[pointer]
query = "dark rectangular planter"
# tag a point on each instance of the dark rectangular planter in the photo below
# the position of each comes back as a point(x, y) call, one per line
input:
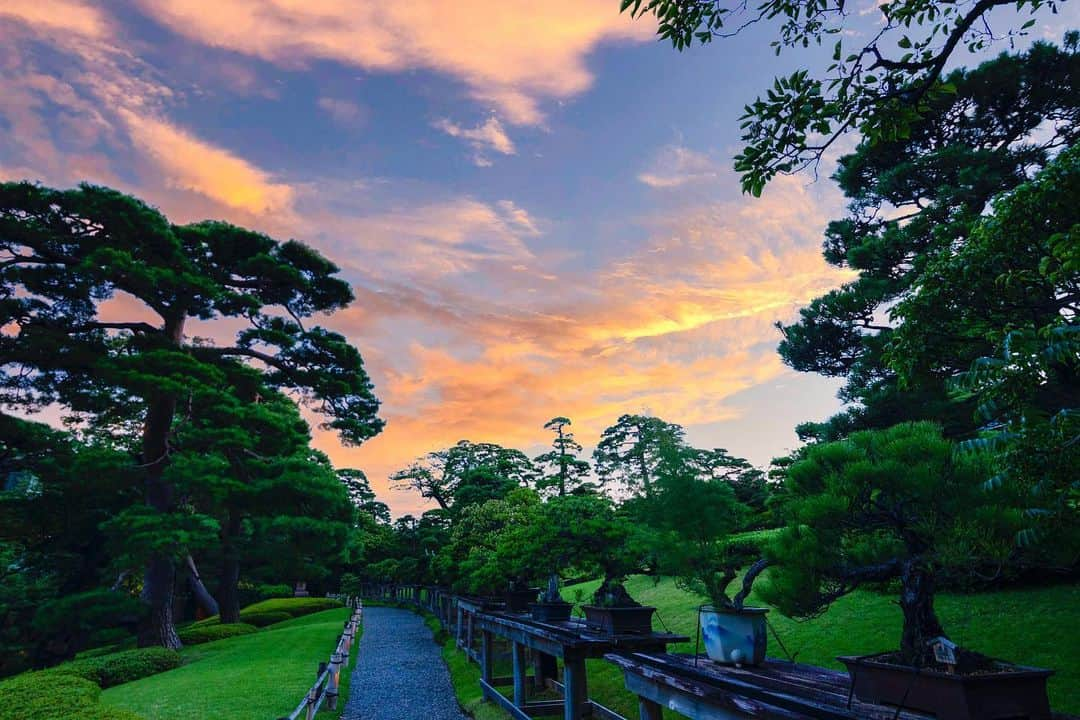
point(1015, 693)
point(550, 612)
point(619, 620)
point(518, 600)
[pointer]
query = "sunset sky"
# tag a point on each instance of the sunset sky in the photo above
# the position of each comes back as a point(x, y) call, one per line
point(534, 201)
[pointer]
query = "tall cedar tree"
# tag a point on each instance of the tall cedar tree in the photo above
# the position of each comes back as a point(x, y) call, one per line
point(882, 84)
point(242, 457)
point(63, 253)
point(630, 450)
point(913, 199)
point(997, 319)
point(567, 471)
point(477, 469)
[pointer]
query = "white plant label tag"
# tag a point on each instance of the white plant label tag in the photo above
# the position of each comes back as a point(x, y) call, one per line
point(944, 651)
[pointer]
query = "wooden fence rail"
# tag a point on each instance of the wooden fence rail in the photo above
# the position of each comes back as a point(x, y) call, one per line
point(328, 678)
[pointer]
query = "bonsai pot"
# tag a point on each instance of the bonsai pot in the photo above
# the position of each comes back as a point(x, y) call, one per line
point(550, 612)
point(518, 600)
point(619, 620)
point(734, 637)
point(1012, 692)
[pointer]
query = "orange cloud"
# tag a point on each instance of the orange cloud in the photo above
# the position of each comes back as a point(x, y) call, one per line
point(676, 328)
point(191, 164)
point(511, 55)
point(67, 16)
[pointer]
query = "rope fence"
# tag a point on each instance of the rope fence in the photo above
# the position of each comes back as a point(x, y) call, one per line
point(328, 676)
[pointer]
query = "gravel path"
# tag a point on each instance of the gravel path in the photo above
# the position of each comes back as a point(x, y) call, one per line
point(400, 673)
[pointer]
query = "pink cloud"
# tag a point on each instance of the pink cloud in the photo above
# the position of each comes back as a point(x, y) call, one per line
point(510, 55)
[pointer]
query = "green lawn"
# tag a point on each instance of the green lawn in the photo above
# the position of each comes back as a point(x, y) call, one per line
point(251, 677)
point(1033, 626)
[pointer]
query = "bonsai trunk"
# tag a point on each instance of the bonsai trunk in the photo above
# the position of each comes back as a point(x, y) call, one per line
point(612, 593)
point(552, 595)
point(160, 577)
point(921, 624)
point(228, 593)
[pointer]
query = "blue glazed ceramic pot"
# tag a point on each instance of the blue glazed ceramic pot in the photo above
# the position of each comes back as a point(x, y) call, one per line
point(734, 637)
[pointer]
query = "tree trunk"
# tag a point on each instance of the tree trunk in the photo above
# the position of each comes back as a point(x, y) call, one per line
point(160, 576)
point(158, 627)
point(228, 587)
point(920, 621)
point(205, 600)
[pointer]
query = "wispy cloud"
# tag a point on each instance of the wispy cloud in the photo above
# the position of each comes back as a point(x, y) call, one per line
point(510, 55)
point(107, 107)
point(675, 166)
point(68, 16)
point(490, 135)
point(343, 112)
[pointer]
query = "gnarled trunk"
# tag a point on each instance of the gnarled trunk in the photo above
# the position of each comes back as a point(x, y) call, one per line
point(921, 624)
point(159, 580)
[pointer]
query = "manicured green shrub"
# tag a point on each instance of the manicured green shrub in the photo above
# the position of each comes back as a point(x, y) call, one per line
point(262, 619)
point(121, 667)
point(295, 607)
point(267, 592)
point(48, 695)
point(209, 633)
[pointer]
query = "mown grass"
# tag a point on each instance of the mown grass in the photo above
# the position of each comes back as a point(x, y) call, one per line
point(250, 677)
point(1030, 626)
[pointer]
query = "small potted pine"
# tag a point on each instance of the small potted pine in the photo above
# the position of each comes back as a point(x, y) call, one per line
point(569, 529)
point(694, 516)
point(518, 596)
point(902, 506)
point(550, 606)
point(613, 612)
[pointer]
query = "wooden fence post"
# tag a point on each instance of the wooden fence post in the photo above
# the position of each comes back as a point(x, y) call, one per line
point(333, 682)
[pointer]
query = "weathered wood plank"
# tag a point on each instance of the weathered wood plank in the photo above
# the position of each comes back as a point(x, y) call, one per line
point(773, 690)
point(519, 674)
point(575, 682)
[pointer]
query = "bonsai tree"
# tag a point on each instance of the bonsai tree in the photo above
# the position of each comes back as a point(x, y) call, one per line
point(694, 515)
point(568, 530)
point(887, 505)
point(619, 545)
point(478, 535)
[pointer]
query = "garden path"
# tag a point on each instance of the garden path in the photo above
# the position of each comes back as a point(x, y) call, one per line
point(400, 673)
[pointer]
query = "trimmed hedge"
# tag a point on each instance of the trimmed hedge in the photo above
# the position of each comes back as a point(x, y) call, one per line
point(119, 668)
point(266, 592)
point(295, 607)
point(262, 619)
point(48, 695)
point(210, 633)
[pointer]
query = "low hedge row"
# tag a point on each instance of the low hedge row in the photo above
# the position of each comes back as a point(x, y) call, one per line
point(295, 607)
point(121, 667)
point(262, 619)
point(48, 695)
point(209, 633)
point(268, 612)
